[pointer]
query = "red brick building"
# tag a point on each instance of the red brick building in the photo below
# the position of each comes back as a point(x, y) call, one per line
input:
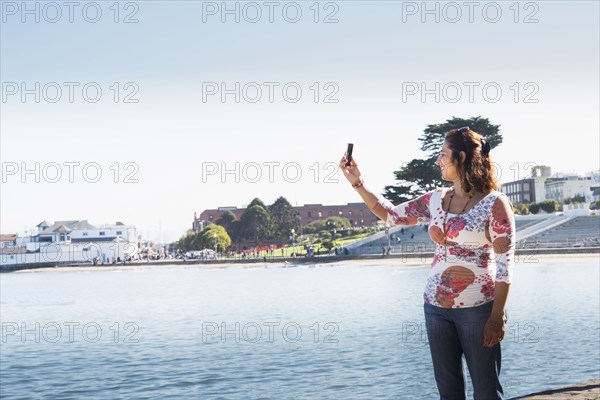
point(357, 213)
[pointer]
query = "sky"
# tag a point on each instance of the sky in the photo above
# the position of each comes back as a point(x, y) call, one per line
point(148, 111)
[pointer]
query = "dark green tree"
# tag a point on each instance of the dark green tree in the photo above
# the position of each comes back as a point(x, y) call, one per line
point(422, 175)
point(257, 202)
point(337, 222)
point(315, 226)
point(187, 242)
point(578, 198)
point(234, 231)
point(255, 223)
point(549, 206)
point(283, 217)
point(225, 220)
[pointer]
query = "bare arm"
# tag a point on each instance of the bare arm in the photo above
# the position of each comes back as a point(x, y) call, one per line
point(352, 173)
point(500, 297)
point(407, 213)
point(372, 201)
point(502, 224)
point(495, 327)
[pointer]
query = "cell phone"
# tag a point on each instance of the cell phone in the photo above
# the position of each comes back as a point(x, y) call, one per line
point(348, 154)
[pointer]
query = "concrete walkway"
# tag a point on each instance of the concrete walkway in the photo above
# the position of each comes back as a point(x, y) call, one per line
point(583, 391)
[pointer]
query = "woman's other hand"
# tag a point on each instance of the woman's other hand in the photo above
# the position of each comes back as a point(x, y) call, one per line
point(494, 331)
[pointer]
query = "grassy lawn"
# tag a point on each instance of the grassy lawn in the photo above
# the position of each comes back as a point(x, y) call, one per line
point(301, 252)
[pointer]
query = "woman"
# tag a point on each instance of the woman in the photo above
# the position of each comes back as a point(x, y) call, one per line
point(469, 278)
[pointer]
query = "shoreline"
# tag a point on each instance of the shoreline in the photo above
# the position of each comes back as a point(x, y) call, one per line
point(582, 391)
point(393, 260)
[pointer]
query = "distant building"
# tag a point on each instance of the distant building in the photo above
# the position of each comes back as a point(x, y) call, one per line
point(542, 186)
point(79, 231)
point(568, 187)
point(8, 241)
point(577, 209)
point(528, 190)
point(71, 241)
point(596, 193)
point(357, 213)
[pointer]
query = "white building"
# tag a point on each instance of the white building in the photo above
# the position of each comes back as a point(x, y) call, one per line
point(8, 241)
point(561, 188)
point(595, 175)
point(73, 242)
point(542, 186)
point(528, 190)
point(576, 210)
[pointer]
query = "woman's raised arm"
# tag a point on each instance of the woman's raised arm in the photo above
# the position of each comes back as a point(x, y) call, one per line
point(353, 175)
point(407, 213)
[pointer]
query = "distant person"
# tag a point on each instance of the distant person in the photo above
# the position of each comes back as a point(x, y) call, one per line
point(412, 235)
point(465, 297)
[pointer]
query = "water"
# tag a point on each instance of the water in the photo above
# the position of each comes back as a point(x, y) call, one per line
point(328, 332)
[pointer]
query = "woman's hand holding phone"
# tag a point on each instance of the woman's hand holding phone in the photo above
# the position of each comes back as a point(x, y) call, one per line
point(351, 172)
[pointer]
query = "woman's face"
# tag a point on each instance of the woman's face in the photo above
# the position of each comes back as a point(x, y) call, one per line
point(444, 161)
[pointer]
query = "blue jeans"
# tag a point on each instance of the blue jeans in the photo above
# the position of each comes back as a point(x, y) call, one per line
point(452, 333)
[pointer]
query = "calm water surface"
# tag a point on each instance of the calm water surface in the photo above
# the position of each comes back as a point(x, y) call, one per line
point(325, 331)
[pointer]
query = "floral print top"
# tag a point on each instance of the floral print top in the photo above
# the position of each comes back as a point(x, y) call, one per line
point(477, 252)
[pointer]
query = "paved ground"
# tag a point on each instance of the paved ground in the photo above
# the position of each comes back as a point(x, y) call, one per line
point(584, 391)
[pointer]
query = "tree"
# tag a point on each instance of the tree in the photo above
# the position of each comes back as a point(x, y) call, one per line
point(257, 202)
point(235, 231)
point(578, 198)
point(226, 219)
point(185, 242)
point(549, 206)
point(522, 209)
point(337, 222)
point(315, 226)
point(283, 218)
point(534, 208)
point(421, 175)
point(206, 237)
point(255, 223)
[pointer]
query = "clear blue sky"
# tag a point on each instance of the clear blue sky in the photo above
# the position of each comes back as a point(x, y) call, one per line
point(371, 57)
